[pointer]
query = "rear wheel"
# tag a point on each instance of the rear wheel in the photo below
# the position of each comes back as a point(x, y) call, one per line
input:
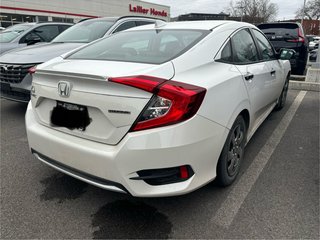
point(283, 96)
point(300, 70)
point(232, 153)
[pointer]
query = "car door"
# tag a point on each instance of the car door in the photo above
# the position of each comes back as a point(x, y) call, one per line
point(275, 66)
point(256, 74)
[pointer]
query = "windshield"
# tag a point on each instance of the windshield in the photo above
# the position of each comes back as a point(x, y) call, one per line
point(13, 32)
point(145, 46)
point(85, 32)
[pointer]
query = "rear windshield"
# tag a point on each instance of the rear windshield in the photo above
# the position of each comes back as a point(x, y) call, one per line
point(279, 31)
point(13, 32)
point(145, 46)
point(85, 32)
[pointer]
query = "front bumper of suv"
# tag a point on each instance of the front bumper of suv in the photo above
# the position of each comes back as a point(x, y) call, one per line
point(15, 82)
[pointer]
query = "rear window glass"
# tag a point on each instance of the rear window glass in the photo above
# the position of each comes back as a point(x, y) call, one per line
point(145, 46)
point(279, 31)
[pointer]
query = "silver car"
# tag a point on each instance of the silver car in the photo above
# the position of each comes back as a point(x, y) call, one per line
point(16, 66)
point(26, 34)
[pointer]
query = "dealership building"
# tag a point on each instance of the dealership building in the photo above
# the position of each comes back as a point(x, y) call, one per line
point(19, 11)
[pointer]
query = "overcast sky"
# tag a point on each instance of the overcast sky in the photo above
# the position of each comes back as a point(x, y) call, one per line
point(287, 8)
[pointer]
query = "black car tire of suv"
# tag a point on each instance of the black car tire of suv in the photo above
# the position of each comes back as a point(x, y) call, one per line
point(300, 69)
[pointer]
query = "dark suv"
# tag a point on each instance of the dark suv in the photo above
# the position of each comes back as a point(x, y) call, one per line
point(288, 35)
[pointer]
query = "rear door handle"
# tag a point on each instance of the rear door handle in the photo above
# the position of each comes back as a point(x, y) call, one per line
point(273, 72)
point(248, 76)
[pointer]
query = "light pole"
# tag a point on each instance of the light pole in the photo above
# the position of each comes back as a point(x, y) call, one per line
point(241, 7)
point(303, 9)
point(317, 65)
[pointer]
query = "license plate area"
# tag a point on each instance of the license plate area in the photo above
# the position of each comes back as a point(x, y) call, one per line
point(71, 116)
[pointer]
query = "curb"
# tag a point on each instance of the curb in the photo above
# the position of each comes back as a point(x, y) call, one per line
point(298, 77)
point(306, 86)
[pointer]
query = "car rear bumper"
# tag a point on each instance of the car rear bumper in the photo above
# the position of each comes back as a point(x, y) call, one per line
point(196, 142)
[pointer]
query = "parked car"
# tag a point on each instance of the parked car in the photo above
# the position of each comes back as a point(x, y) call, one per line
point(313, 55)
point(21, 35)
point(288, 35)
point(158, 110)
point(14, 66)
point(313, 42)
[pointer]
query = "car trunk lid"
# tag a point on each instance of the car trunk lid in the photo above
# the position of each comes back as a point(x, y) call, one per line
point(87, 104)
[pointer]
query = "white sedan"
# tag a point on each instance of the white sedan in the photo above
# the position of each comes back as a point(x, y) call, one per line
point(158, 110)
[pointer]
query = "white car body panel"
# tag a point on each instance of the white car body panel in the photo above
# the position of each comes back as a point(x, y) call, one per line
point(115, 154)
point(163, 146)
point(91, 88)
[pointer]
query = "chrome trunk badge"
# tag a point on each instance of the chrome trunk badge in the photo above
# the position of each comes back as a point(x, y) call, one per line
point(64, 88)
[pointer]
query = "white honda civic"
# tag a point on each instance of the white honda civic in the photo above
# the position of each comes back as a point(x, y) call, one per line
point(157, 110)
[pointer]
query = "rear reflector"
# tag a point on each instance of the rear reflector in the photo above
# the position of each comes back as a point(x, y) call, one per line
point(184, 172)
point(162, 176)
point(173, 102)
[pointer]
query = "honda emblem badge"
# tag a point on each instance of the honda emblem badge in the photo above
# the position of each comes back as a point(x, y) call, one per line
point(64, 89)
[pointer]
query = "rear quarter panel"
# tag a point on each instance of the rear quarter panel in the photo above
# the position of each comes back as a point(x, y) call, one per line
point(226, 94)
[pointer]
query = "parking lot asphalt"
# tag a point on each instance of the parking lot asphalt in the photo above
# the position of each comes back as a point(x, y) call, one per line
point(275, 196)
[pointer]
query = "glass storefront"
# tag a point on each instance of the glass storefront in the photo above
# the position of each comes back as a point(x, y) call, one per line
point(9, 19)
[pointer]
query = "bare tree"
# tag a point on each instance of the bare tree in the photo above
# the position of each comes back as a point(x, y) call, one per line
point(254, 11)
point(312, 10)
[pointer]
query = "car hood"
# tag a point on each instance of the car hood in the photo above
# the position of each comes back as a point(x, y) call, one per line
point(4, 47)
point(38, 53)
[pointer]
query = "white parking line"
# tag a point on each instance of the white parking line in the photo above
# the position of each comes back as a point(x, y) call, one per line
point(230, 207)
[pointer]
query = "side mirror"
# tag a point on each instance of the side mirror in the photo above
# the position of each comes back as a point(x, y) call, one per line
point(32, 40)
point(286, 54)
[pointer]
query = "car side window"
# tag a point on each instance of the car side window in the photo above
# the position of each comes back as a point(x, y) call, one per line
point(140, 23)
point(125, 26)
point(226, 53)
point(63, 27)
point(264, 46)
point(244, 48)
point(43, 33)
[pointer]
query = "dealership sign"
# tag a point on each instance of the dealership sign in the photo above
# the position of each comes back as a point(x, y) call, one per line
point(150, 11)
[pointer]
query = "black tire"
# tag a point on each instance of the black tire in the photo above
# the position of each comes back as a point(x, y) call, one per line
point(300, 70)
point(301, 66)
point(283, 96)
point(232, 153)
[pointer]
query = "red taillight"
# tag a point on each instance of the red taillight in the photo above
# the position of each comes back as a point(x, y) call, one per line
point(173, 102)
point(146, 83)
point(300, 37)
point(32, 70)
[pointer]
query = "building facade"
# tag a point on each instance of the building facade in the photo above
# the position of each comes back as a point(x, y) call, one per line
point(202, 16)
point(18, 11)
